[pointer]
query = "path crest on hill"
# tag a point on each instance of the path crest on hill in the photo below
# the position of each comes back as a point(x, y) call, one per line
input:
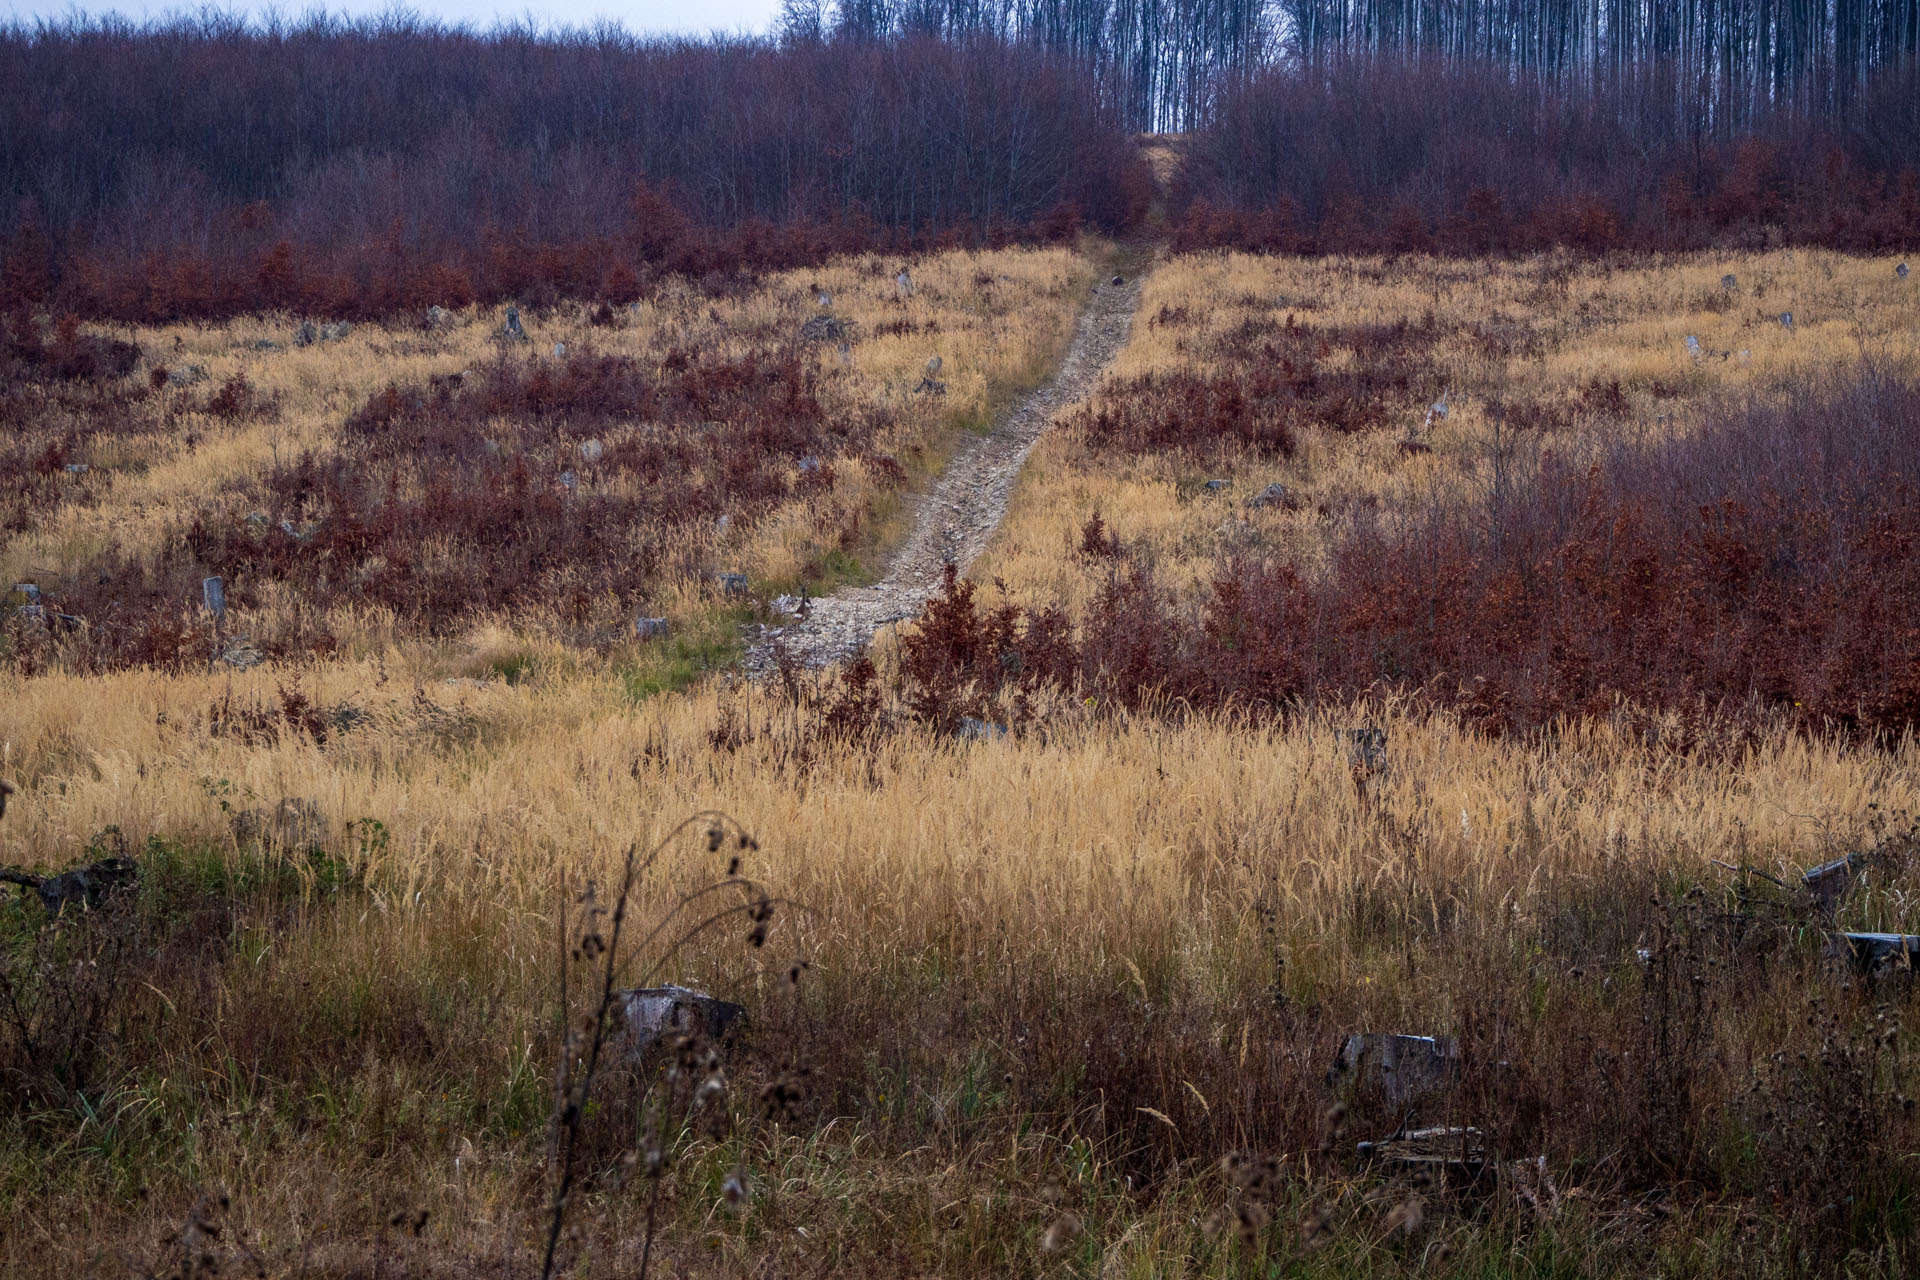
point(956, 518)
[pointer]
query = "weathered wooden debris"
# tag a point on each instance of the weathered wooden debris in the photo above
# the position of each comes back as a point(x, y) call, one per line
point(1451, 1154)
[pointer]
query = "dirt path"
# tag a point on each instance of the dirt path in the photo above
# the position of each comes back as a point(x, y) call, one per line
point(955, 519)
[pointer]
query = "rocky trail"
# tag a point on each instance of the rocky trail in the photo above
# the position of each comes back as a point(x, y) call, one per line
point(955, 519)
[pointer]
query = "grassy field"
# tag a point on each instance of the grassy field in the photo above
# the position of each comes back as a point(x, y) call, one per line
point(1061, 1001)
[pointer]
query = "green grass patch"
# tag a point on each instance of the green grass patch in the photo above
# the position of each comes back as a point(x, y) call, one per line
point(707, 642)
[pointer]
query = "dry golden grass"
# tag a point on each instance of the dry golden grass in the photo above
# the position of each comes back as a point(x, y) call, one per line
point(1570, 322)
point(1122, 855)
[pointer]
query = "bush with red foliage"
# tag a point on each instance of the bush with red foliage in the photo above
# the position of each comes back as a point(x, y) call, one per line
point(1266, 380)
point(1766, 562)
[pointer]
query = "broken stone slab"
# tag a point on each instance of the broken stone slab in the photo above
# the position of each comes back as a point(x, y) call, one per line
point(1873, 953)
point(86, 886)
point(650, 1016)
point(1404, 1070)
point(1829, 882)
point(213, 591)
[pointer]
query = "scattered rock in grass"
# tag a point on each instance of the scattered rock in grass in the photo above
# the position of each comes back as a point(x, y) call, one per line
point(1901, 271)
point(306, 335)
point(268, 344)
point(1218, 486)
point(85, 887)
point(904, 283)
point(809, 464)
point(335, 331)
point(510, 330)
point(186, 375)
point(1406, 1071)
point(591, 451)
point(1786, 319)
point(933, 366)
point(733, 586)
point(650, 628)
point(78, 468)
point(790, 606)
point(1729, 282)
point(1117, 280)
point(1693, 346)
point(6, 789)
point(649, 1016)
point(559, 351)
point(438, 317)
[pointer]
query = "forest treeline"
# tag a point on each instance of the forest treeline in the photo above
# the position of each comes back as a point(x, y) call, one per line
point(204, 166)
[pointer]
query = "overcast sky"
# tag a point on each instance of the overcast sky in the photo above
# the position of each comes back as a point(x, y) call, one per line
point(695, 17)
